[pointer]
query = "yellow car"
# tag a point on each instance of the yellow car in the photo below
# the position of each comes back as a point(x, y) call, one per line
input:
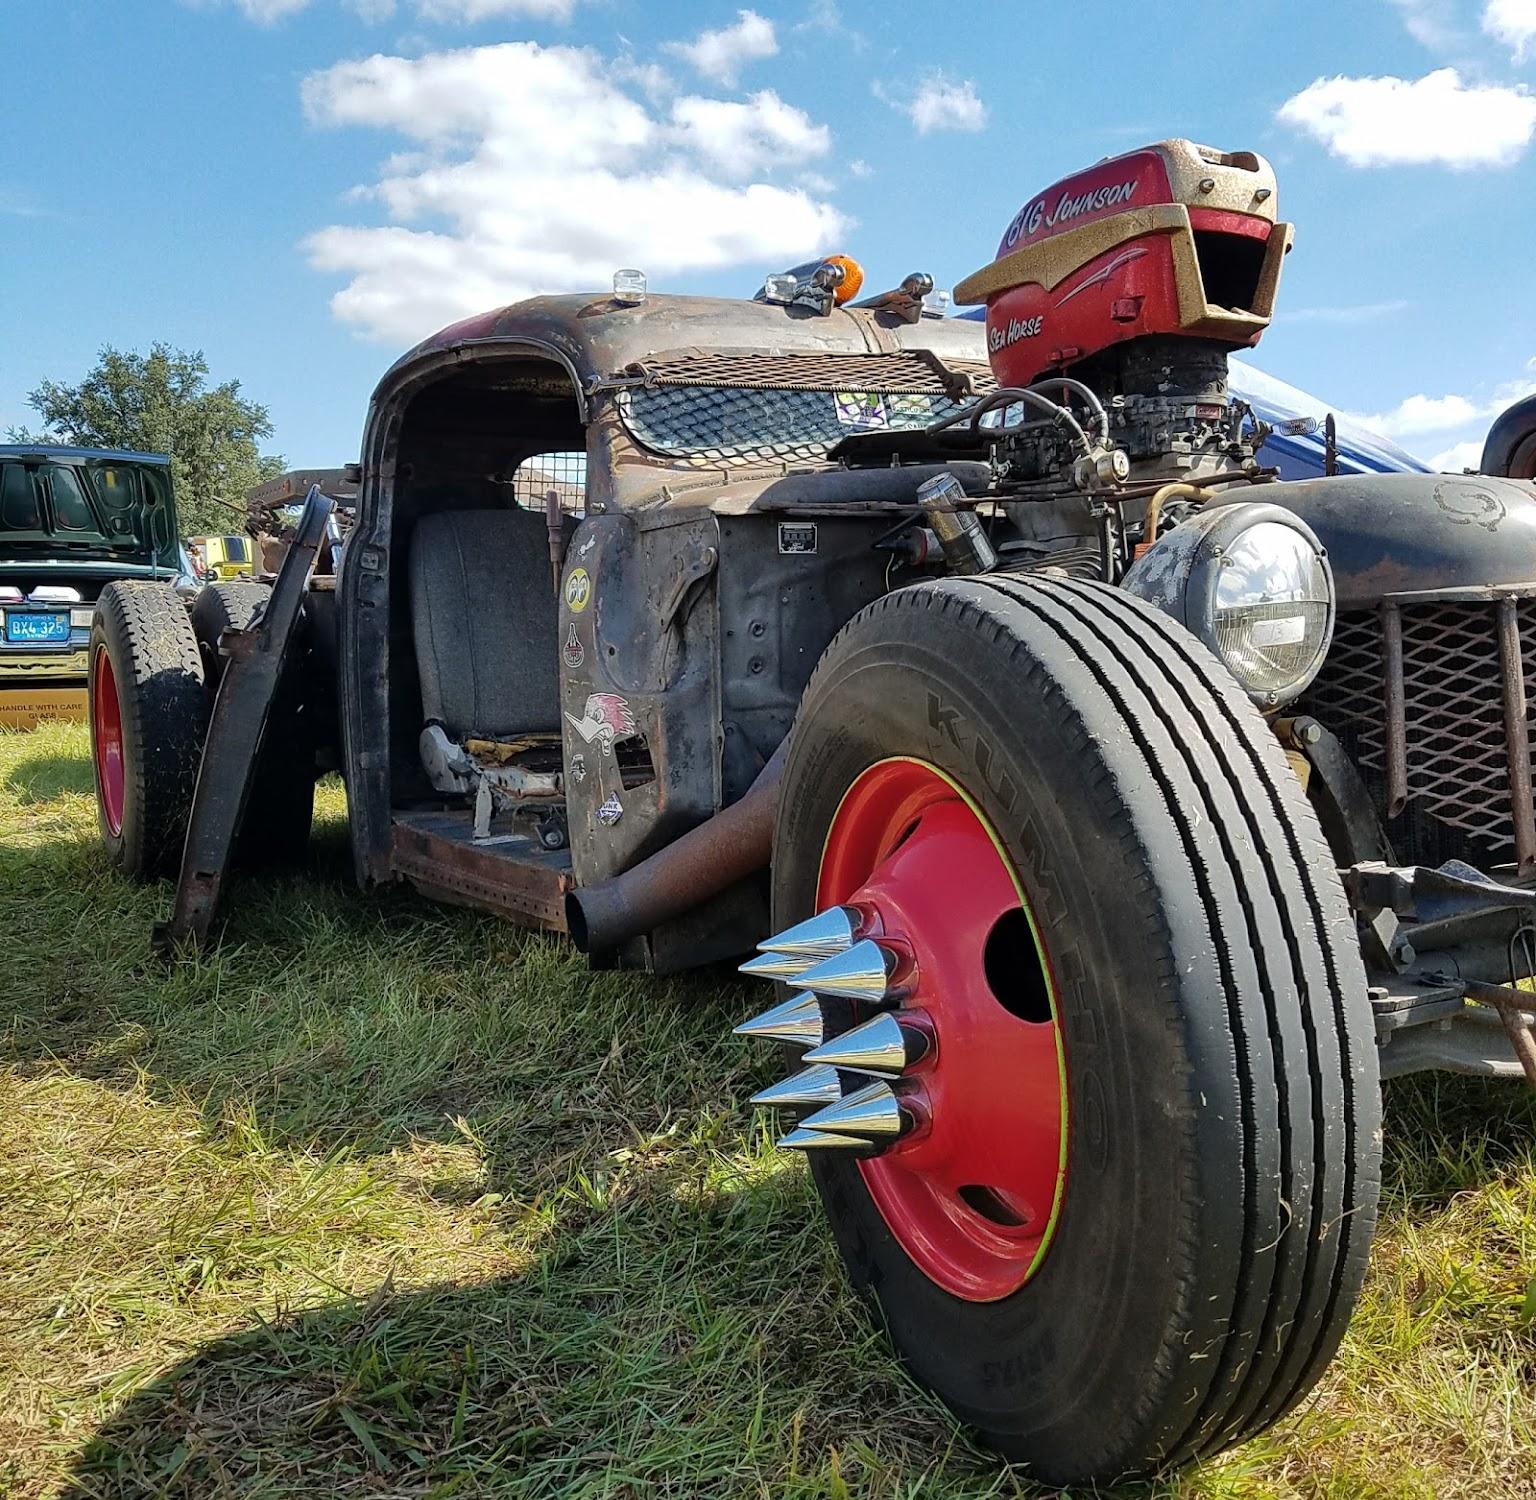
point(221, 556)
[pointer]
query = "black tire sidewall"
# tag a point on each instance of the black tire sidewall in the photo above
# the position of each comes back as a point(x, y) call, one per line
point(143, 631)
point(1074, 1371)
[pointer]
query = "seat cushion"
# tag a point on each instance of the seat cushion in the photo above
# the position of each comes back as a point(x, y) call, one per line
point(483, 612)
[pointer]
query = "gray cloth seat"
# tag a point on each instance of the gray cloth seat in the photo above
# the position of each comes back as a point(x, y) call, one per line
point(484, 617)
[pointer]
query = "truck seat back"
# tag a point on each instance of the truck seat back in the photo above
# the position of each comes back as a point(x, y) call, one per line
point(483, 612)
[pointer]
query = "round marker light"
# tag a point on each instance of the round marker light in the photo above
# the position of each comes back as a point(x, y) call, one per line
point(629, 287)
point(845, 287)
point(1253, 582)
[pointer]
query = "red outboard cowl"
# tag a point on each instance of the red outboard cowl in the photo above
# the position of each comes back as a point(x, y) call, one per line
point(1172, 239)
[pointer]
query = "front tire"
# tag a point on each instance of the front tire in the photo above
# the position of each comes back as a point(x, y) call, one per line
point(148, 713)
point(1219, 1096)
point(280, 808)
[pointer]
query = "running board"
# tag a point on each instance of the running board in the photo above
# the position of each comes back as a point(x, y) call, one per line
point(235, 731)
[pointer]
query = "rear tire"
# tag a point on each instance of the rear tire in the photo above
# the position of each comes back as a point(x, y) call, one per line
point(274, 833)
point(1223, 1130)
point(148, 713)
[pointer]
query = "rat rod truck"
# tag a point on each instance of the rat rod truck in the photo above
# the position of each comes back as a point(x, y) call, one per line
point(1110, 816)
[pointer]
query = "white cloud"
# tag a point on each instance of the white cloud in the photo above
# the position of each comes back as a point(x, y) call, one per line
point(858, 167)
point(1512, 22)
point(470, 11)
point(939, 103)
point(1454, 415)
point(268, 12)
point(1359, 312)
point(721, 54)
point(740, 139)
point(1420, 414)
point(1431, 23)
point(1457, 457)
point(1373, 122)
point(530, 169)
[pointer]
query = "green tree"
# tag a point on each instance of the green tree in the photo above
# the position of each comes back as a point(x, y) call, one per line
point(161, 402)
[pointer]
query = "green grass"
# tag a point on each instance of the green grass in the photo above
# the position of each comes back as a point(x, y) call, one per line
point(382, 1199)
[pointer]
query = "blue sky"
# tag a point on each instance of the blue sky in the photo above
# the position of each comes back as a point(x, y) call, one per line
point(301, 188)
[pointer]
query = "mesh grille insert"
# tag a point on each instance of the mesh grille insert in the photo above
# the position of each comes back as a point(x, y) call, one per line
point(1453, 715)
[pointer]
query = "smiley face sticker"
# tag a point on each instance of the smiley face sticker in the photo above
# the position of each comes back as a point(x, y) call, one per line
point(578, 590)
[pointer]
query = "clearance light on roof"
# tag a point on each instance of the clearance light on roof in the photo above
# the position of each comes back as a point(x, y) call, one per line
point(843, 275)
point(819, 285)
point(629, 287)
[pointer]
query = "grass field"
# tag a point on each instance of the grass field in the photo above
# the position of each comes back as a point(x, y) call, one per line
point(380, 1199)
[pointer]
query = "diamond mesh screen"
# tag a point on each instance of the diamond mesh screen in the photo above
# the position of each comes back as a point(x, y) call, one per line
point(737, 409)
point(1453, 714)
point(896, 374)
point(736, 425)
point(565, 473)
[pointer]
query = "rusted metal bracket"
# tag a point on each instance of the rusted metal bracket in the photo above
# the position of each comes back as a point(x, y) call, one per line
point(1514, 1008)
point(1417, 893)
point(235, 731)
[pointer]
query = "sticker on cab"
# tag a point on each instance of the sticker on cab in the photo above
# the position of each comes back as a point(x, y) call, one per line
point(797, 536)
point(862, 410)
point(578, 590)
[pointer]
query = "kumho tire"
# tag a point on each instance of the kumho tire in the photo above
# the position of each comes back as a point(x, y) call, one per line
point(280, 807)
point(148, 716)
point(1222, 1121)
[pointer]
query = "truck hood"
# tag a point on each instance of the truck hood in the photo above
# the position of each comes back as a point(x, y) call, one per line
point(1392, 534)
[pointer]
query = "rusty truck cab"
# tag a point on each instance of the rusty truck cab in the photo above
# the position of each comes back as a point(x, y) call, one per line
point(516, 725)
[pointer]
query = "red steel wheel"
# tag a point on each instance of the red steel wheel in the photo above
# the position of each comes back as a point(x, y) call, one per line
point(107, 741)
point(974, 1193)
point(1111, 1190)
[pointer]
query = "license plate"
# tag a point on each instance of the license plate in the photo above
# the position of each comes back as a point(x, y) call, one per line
point(38, 627)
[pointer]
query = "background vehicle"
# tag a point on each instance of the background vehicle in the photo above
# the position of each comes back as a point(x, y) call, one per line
point(223, 557)
point(71, 521)
point(989, 671)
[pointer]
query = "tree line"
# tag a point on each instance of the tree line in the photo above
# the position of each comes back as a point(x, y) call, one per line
point(162, 402)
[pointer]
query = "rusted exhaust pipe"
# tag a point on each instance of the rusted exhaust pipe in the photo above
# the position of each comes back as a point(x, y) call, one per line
point(703, 862)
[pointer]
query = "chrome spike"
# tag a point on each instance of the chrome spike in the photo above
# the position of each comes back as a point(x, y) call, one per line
point(862, 972)
point(801, 1139)
point(809, 1086)
point(798, 1019)
point(870, 1111)
point(784, 966)
point(883, 1047)
point(827, 933)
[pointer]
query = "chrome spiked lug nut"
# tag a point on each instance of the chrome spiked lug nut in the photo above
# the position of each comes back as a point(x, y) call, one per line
point(786, 966)
point(817, 1085)
point(862, 972)
point(883, 1047)
point(797, 1020)
point(801, 1139)
point(827, 933)
point(873, 1110)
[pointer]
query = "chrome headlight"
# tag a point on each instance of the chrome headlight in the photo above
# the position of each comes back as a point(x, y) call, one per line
point(1252, 581)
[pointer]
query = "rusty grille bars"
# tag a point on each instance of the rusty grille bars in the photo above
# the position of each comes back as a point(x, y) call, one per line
point(1437, 694)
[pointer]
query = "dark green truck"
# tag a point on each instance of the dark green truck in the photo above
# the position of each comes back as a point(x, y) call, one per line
point(71, 521)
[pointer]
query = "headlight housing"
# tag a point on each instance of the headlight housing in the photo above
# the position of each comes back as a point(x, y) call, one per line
point(1252, 581)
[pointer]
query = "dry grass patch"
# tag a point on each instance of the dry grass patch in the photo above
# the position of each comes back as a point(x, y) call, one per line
point(378, 1199)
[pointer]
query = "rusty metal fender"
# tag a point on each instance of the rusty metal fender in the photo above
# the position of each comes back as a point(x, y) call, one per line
point(1450, 535)
point(640, 657)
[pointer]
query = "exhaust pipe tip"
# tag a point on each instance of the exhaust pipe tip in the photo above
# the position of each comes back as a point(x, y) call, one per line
point(576, 922)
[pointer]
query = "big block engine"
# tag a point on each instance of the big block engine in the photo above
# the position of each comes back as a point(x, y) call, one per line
point(1134, 279)
point(1112, 305)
